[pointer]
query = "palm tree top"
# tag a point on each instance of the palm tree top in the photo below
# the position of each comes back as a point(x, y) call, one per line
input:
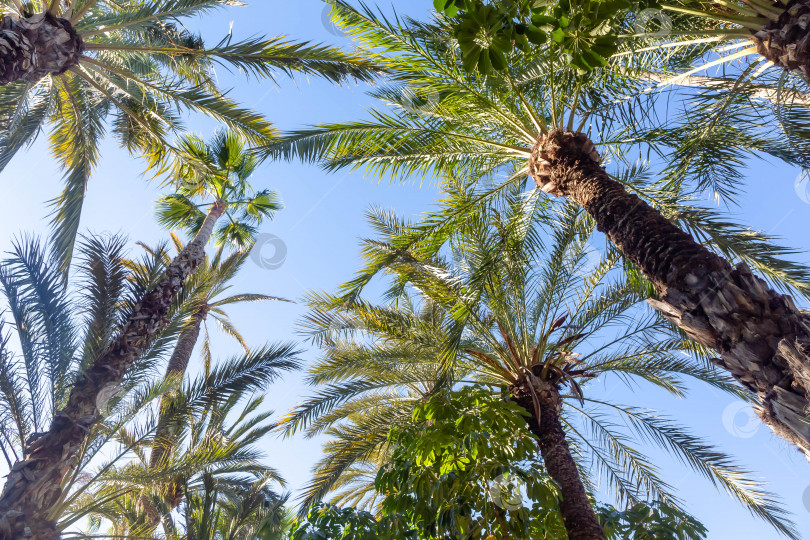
point(437, 120)
point(219, 176)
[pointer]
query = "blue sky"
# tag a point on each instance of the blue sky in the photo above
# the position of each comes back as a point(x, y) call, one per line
point(321, 226)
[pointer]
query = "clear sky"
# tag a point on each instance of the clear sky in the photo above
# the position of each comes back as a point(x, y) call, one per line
point(324, 220)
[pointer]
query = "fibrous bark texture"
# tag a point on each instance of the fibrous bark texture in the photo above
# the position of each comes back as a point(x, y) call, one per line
point(33, 485)
point(786, 41)
point(162, 444)
point(538, 396)
point(763, 339)
point(35, 46)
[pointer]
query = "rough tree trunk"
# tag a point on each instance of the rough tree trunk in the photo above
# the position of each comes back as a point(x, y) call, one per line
point(576, 509)
point(786, 41)
point(35, 46)
point(33, 484)
point(764, 340)
point(162, 445)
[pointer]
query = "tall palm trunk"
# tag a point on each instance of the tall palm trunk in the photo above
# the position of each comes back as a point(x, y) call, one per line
point(162, 445)
point(33, 484)
point(32, 47)
point(576, 509)
point(786, 41)
point(764, 340)
point(176, 369)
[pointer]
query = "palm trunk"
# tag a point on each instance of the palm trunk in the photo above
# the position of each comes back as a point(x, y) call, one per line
point(33, 47)
point(33, 484)
point(162, 444)
point(764, 340)
point(576, 509)
point(786, 41)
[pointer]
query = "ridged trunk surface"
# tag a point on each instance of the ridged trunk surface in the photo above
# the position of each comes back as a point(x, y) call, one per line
point(35, 46)
point(764, 340)
point(576, 509)
point(786, 41)
point(33, 484)
point(162, 445)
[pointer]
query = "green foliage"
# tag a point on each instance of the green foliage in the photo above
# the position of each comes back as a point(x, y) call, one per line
point(489, 31)
point(656, 521)
point(511, 287)
point(142, 73)
point(329, 522)
point(457, 470)
point(466, 467)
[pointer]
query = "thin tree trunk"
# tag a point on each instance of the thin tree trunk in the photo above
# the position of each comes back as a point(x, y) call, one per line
point(576, 509)
point(33, 484)
point(786, 41)
point(764, 340)
point(33, 47)
point(162, 444)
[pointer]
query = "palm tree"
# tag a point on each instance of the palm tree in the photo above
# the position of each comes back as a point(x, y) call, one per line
point(213, 472)
point(448, 121)
point(225, 176)
point(86, 66)
point(509, 307)
point(61, 333)
point(776, 29)
point(204, 293)
point(224, 180)
point(34, 484)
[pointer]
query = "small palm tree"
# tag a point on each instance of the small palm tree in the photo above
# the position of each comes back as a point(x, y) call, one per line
point(532, 123)
point(509, 307)
point(216, 428)
point(222, 182)
point(86, 66)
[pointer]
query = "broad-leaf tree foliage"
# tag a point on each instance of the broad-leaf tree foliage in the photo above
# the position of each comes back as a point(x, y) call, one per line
point(459, 471)
point(462, 468)
point(132, 70)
